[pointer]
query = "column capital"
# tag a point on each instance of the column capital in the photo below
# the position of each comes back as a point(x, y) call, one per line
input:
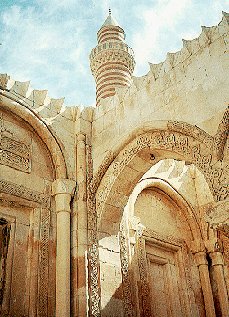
point(200, 258)
point(213, 245)
point(63, 186)
point(81, 137)
point(217, 258)
point(197, 246)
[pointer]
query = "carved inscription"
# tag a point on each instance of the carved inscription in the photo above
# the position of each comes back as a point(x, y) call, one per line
point(14, 153)
point(24, 192)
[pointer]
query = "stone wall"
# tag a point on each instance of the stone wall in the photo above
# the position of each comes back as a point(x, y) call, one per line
point(191, 81)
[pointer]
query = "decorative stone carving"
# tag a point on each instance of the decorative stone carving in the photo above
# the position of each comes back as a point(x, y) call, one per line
point(44, 263)
point(193, 150)
point(189, 129)
point(93, 258)
point(24, 192)
point(94, 183)
point(93, 254)
point(14, 153)
point(127, 295)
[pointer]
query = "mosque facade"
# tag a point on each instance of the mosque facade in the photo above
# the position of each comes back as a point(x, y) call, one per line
point(119, 210)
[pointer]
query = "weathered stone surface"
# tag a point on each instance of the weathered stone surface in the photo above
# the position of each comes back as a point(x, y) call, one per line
point(122, 209)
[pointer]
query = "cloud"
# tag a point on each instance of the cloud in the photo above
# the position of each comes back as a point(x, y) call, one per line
point(165, 23)
point(49, 50)
point(48, 42)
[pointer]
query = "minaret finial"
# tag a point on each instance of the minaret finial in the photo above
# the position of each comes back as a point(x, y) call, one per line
point(109, 11)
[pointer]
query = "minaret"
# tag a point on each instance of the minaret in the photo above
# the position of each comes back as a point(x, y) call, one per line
point(112, 61)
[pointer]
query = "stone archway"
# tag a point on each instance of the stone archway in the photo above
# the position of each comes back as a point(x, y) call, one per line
point(46, 134)
point(37, 197)
point(117, 176)
point(146, 150)
point(152, 246)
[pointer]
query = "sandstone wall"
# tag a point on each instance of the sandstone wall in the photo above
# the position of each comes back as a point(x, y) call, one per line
point(191, 85)
point(27, 173)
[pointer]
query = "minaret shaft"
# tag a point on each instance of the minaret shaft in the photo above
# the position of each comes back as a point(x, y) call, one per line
point(112, 61)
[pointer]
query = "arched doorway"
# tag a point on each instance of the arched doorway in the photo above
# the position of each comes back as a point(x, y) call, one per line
point(31, 159)
point(113, 189)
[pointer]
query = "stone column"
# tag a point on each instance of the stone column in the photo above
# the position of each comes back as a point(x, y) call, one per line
point(218, 276)
point(202, 264)
point(62, 190)
point(82, 223)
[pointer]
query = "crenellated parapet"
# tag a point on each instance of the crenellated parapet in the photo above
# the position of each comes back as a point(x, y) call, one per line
point(36, 100)
point(179, 59)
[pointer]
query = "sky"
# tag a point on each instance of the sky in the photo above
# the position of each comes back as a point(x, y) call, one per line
point(48, 42)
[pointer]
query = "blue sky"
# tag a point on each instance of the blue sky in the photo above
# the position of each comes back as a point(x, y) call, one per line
point(49, 41)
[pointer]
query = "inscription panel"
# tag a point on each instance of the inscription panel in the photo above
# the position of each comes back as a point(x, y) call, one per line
point(14, 153)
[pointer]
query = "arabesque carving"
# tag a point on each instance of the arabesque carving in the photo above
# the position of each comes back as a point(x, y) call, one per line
point(24, 192)
point(93, 253)
point(124, 257)
point(44, 263)
point(93, 258)
point(14, 153)
point(198, 151)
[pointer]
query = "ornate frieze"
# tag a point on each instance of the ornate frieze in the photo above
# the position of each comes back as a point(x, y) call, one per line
point(24, 192)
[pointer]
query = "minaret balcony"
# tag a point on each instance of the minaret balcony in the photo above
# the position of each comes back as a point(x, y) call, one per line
point(111, 46)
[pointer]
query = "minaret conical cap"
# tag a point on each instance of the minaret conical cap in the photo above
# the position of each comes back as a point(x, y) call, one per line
point(110, 21)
